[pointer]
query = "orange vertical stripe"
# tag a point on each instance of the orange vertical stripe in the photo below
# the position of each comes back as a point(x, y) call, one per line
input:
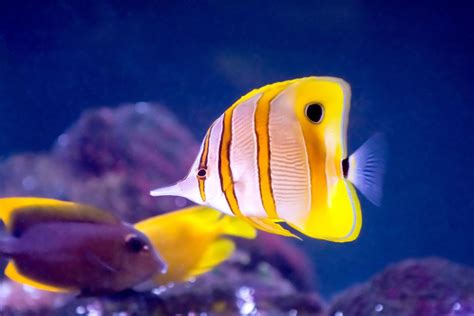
point(262, 115)
point(227, 182)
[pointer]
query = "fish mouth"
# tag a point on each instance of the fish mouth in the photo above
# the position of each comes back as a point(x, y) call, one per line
point(161, 265)
point(171, 190)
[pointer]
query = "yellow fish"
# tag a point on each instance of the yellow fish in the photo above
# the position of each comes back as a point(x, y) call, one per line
point(279, 154)
point(192, 241)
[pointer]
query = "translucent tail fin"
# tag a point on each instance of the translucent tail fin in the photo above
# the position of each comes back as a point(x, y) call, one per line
point(367, 168)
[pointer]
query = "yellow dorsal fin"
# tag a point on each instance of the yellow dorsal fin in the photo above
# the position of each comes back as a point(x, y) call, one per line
point(215, 254)
point(276, 85)
point(235, 226)
point(28, 211)
point(12, 273)
point(270, 226)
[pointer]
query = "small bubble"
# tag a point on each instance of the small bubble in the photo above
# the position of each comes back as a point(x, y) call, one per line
point(94, 310)
point(338, 313)
point(158, 290)
point(456, 306)
point(5, 290)
point(293, 312)
point(378, 308)
point(80, 310)
point(248, 308)
point(246, 301)
point(28, 289)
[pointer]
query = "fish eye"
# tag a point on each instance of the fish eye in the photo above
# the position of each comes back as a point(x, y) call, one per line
point(314, 112)
point(135, 244)
point(202, 173)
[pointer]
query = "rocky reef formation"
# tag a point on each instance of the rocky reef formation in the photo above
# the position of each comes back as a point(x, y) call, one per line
point(427, 287)
point(111, 158)
point(235, 288)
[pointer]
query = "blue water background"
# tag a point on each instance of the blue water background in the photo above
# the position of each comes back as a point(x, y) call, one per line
point(410, 64)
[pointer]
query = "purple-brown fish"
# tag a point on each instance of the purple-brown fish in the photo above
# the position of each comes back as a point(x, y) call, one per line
point(67, 247)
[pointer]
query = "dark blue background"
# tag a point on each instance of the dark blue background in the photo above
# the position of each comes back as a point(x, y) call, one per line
point(410, 64)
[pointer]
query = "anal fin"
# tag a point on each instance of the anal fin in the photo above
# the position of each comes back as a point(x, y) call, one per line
point(270, 226)
point(12, 273)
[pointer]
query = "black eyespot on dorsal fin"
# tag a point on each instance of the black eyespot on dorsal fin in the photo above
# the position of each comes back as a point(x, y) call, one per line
point(202, 173)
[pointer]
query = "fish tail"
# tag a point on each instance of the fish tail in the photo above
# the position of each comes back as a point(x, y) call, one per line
point(366, 168)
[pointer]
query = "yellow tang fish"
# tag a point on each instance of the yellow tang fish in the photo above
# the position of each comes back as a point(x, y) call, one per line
point(279, 154)
point(192, 241)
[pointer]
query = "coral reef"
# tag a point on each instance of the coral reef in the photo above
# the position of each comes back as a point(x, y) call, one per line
point(111, 158)
point(426, 287)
